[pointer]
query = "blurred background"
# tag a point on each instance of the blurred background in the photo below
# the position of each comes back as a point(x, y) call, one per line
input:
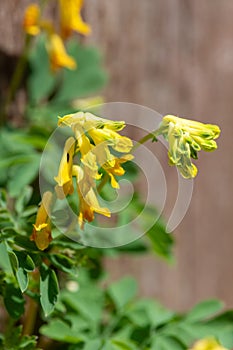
point(174, 56)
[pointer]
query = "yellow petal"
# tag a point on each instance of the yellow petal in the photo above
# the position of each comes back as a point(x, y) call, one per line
point(31, 20)
point(114, 183)
point(58, 55)
point(41, 233)
point(120, 143)
point(70, 18)
point(72, 119)
point(44, 209)
point(64, 177)
point(207, 344)
point(42, 236)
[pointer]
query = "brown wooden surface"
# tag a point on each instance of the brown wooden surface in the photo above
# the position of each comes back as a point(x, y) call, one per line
point(175, 56)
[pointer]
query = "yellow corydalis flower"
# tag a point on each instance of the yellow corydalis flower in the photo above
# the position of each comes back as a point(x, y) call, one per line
point(186, 138)
point(95, 138)
point(207, 344)
point(42, 228)
point(57, 54)
point(70, 18)
point(31, 20)
point(64, 178)
point(88, 202)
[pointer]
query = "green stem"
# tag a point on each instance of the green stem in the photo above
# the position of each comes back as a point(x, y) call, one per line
point(103, 182)
point(152, 135)
point(16, 79)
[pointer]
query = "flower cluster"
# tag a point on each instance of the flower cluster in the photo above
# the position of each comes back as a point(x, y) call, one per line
point(186, 138)
point(207, 344)
point(96, 140)
point(70, 20)
point(101, 150)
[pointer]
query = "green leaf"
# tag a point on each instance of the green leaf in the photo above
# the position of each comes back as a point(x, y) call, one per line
point(24, 242)
point(115, 344)
point(48, 289)
point(226, 339)
point(87, 301)
point(93, 345)
point(135, 247)
point(123, 291)
point(5, 262)
point(87, 79)
point(21, 263)
point(166, 343)
point(61, 331)
point(13, 300)
point(121, 344)
point(162, 242)
point(63, 263)
point(22, 175)
point(204, 310)
point(149, 312)
point(41, 81)
point(13, 340)
point(23, 199)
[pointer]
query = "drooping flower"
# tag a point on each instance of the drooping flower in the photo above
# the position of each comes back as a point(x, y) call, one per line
point(88, 202)
point(70, 18)
point(42, 228)
point(64, 178)
point(207, 344)
point(116, 169)
point(57, 54)
point(186, 138)
point(31, 20)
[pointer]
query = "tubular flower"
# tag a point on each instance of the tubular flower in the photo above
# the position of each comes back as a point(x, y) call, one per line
point(64, 178)
point(186, 138)
point(207, 344)
point(42, 228)
point(88, 202)
point(95, 138)
point(31, 20)
point(71, 20)
point(116, 169)
point(57, 54)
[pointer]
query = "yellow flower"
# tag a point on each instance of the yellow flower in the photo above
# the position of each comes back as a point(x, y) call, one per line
point(103, 133)
point(31, 20)
point(95, 137)
point(116, 169)
point(57, 54)
point(88, 202)
point(207, 344)
point(186, 138)
point(64, 178)
point(71, 20)
point(42, 228)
